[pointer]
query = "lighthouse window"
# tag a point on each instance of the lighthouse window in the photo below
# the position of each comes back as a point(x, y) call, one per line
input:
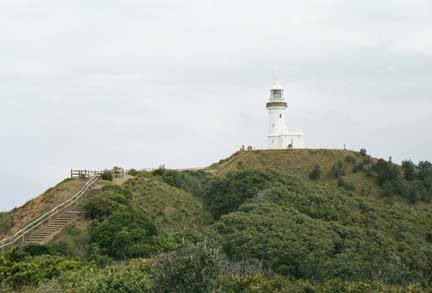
point(280, 115)
point(273, 125)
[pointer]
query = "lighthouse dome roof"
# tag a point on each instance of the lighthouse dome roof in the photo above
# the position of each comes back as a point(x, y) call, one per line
point(277, 86)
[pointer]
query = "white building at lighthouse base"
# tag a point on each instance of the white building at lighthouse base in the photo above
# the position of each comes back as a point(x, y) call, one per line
point(289, 139)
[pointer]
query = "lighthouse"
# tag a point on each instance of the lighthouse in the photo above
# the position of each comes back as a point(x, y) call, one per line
point(279, 137)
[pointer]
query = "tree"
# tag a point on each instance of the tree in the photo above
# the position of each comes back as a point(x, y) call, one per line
point(409, 168)
point(387, 171)
point(424, 170)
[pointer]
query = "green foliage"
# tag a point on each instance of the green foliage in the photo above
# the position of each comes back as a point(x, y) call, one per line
point(363, 152)
point(278, 231)
point(424, 170)
point(315, 173)
point(348, 186)
point(193, 268)
point(113, 198)
point(225, 194)
point(172, 209)
point(337, 170)
point(133, 172)
point(315, 233)
point(409, 170)
point(387, 171)
point(6, 221)
point(257, 283)
point(350, 159)
point(73, 241)
point(128, 277)
point(32, 271)
point(125, 234)
point(107, 175)
point(190, 181)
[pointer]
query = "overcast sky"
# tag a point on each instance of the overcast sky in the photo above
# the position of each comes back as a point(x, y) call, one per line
point(92, 84)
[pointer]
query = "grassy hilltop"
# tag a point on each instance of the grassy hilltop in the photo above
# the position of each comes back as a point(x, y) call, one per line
point(258, 221)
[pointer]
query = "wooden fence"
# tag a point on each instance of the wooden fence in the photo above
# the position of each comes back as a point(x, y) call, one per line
point(84, 173)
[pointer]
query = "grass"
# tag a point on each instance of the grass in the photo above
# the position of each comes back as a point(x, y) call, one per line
point(17, 218)
point(173, 209)
point(299, 163)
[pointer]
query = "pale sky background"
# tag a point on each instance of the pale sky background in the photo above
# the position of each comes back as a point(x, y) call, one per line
point(92, 84)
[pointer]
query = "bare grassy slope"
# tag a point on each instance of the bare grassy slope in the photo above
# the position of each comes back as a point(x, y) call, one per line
point(299, 163)
point(17, 218)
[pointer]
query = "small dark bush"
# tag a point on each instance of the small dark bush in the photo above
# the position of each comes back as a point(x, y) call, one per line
point(107, 175)
point(348, 186)
point(409, 170)
point(315, 173)
point(358, 167)
point(132, 172)
point(350, 159)
point(363, 152)
point(337, 170)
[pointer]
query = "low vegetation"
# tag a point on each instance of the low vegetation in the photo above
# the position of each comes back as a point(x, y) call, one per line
point(279, 221)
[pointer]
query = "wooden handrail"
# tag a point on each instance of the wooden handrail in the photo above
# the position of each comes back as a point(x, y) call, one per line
point(6, 242)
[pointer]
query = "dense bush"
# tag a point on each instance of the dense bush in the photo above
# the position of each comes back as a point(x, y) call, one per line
point(113, 198)
point(337, 170)
point(191, 181)
point(193, 268)
point(126, 234)
point(225, 194)
point(131, 276)
point(350, 159)
point(348, 186)
point(32, 271)
point(321, 235)
point(315, 173)
point(107, 175)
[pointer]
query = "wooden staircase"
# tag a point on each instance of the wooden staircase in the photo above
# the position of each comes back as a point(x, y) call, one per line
point(46, 232)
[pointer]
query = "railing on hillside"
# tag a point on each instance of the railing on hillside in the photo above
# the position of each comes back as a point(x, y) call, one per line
point(21, 234)
point(84, 173)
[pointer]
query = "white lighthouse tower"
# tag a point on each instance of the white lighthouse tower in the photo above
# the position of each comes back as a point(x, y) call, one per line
point(278, 135)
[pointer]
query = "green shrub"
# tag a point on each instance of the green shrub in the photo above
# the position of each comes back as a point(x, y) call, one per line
point(132, 172)
point(193, 268)
point(32, 271)
point(113, 198)
point(107, 175)
point(128, 277)
point(6, 221)
point(315, 173)
point(257, 283)
point(358, 167)
point(337, 170)
point(190, 181)
point(348, 186)
point(350, 159)
point(386, 171)
point(363, 152)
point(126, 234)
point(409, 170)
point(226, 194)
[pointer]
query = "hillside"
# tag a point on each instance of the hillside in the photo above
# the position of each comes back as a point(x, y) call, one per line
point(12, 221)
point(258, 221)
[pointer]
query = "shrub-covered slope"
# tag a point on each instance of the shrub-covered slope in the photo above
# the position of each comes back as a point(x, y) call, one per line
point(259, 221)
